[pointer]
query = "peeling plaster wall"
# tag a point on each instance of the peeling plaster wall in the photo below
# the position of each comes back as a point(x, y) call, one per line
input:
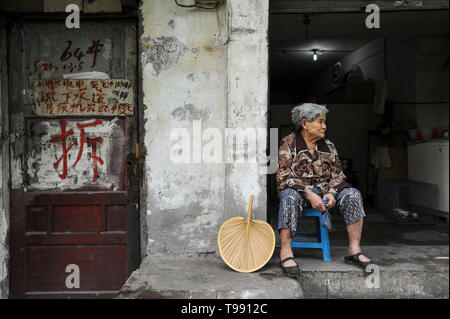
point(184, 79)
point(203, 66)
point(247, 99)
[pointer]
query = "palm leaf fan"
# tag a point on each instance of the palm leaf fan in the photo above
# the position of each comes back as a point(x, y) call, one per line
point(246, 245)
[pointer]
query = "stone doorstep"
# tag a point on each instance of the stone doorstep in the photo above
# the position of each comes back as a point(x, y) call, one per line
point(404, 272)
point(392, 285)
point(205, 277)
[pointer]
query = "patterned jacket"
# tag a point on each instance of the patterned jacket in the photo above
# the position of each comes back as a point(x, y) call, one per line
point(300, 170)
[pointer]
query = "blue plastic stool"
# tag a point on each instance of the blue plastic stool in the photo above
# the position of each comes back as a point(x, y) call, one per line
point(321, 235)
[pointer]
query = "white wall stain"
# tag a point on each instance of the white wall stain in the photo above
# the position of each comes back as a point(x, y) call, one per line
point(243, 188)
point(106, 49)
point(16, 179)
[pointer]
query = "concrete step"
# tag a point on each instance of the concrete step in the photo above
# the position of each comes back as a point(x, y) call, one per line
point(404, 272)
point(205, 276)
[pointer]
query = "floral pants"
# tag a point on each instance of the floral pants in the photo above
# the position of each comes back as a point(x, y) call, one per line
point(349, 203)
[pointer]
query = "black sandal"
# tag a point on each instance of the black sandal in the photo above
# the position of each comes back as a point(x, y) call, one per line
point(292, 271)
point(354, 260)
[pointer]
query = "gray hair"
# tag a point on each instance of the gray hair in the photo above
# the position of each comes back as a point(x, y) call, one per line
point(307, 111)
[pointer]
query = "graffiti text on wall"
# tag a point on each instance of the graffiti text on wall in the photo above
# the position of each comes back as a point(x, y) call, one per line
point(72, 59)
point(83, 97)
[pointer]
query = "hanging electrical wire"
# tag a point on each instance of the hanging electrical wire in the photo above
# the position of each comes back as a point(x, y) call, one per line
point(201, 4)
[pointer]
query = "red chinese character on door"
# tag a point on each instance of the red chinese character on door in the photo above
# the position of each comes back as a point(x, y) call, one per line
point(66, 149)
point(93, 141)
point(83, 140)
point(94, 49)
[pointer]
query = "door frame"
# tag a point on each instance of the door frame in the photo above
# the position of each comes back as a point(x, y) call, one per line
point(5, 165)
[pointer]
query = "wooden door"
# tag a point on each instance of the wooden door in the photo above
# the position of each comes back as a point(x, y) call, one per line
point(74, 145)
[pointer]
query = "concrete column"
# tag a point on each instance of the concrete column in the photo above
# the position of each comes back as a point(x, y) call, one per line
point(183, 59)
point(247, 95)
point(200, 69)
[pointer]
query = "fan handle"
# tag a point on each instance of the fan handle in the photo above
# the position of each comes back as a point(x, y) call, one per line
point(249, 214)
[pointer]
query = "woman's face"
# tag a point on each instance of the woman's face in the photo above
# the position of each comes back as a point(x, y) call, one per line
point(316, 128)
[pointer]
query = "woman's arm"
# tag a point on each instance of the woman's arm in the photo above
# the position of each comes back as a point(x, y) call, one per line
point(285, 176)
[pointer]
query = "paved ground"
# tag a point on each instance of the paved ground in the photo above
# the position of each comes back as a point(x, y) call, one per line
point(412, 259)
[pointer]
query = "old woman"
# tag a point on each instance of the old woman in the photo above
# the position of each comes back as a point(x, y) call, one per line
point(309, 171)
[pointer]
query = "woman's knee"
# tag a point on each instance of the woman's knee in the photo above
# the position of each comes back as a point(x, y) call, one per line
point(350, 195)
point(352, 206)
point(353, 192)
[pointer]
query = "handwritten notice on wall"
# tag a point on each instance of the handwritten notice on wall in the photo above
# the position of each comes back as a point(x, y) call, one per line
point(83, 97)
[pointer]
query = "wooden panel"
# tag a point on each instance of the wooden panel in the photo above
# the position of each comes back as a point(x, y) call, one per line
point(37, 219)
point(94, 198)
point(72, 295)
point(78, 219)
point(100, 254)
point(101, 267)
point(17, 240)
point(116, 217)
point(76, 239)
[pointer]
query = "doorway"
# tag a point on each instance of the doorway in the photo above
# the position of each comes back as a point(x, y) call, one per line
point(376, 84)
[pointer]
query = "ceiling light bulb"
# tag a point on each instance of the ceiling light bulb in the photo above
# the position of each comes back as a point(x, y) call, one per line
point(315, 56)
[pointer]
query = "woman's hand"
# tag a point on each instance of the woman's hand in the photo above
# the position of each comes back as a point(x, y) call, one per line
point(315, 200)
point(331, 202)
